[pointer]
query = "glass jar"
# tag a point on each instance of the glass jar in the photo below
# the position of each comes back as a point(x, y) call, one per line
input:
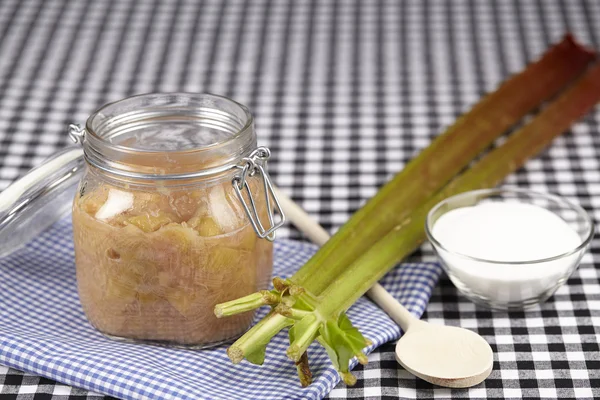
point(174, 214)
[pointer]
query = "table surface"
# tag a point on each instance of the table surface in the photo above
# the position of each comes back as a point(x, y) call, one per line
point(344, 93)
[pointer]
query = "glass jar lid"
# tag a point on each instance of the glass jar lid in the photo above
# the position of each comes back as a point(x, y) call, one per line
point(37, 200)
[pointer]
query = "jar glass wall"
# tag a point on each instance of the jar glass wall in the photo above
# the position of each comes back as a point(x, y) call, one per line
point(161, 235)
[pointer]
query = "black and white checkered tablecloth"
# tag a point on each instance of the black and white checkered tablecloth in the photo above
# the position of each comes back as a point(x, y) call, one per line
point(345, 93)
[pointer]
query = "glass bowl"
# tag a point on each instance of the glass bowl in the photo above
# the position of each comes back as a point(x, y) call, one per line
point(511, 285)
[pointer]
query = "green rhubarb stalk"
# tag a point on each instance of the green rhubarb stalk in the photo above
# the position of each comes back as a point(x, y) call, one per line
point(247, 303)
point(445, 157)
point(427, 173)
point(252, 345)
point(401, 241)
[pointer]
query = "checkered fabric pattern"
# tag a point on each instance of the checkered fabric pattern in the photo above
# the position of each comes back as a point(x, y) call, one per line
point(43, 330)
point(345, 93)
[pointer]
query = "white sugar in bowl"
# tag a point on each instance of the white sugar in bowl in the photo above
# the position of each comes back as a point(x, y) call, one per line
point(508, 248)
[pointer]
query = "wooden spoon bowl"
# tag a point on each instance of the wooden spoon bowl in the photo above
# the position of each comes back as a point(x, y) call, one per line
point(445, 355)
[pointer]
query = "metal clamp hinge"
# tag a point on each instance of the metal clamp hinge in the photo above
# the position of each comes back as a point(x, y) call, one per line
point(76, 133)
point(256, 164)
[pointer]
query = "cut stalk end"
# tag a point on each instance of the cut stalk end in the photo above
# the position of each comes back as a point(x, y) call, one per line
point(235, 354)
point(362, 358)
point(293, 352)
point(280, 284)
point(219, 311)
point(283, 309)
point(348, 378)
point(296, 290)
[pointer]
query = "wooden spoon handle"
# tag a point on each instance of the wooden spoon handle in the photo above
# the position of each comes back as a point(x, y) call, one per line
point(392, 307)
point(318, 235)
point(301, 219)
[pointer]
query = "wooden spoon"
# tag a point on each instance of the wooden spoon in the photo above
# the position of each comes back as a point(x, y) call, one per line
point(443, 355)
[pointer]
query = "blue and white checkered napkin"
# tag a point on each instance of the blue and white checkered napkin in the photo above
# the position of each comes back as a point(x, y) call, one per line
point(43, 330)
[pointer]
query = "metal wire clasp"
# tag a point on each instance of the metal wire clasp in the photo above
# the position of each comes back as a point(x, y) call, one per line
point(256, 163)
point(76, 133)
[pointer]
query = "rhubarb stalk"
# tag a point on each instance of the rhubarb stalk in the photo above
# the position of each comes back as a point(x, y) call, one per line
point(328, 314)
point(422, 177)
point(323, 317)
